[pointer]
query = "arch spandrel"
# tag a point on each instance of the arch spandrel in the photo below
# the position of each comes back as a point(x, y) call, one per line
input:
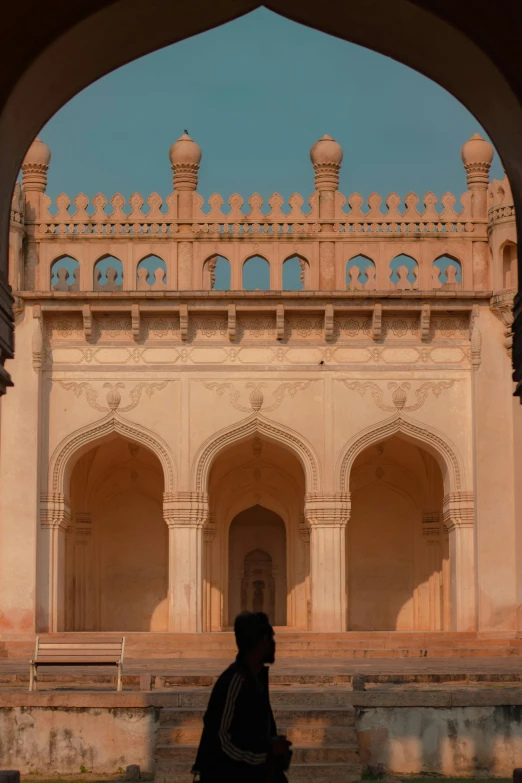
point(74, 445)
point(250, 426)
point(432, 440)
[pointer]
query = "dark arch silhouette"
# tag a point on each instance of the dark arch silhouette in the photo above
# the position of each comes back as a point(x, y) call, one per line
point(417, 34)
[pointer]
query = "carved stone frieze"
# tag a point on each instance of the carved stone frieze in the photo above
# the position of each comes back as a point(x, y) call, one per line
point(113, 395)
point(256, 396)
point(399, 393)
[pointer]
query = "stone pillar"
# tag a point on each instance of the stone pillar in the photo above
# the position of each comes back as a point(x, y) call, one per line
point(185, 157)
point(326, 156)
point(82, 577)
point(327, 516)
point(209, 534)
point(55, 515)
point(431, 534)
point(19, 476)
point(458, 519)
point(185, 514)
point(477, 155)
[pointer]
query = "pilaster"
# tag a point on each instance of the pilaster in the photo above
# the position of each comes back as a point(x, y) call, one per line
point(458, 510)
point(186, 514)
point(327, 516)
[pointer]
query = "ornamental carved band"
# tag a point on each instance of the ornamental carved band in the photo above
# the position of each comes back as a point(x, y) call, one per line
point(185, 509)
point(55, 511)
point(327, 510)
point(458, 510)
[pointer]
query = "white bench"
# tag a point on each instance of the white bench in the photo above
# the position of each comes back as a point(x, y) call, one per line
point(88, 652)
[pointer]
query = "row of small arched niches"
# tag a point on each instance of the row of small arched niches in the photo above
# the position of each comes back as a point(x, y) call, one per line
point(151, 273)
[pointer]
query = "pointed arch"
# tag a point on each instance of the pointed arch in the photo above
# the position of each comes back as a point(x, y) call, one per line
point(78, 442)
point(216, 273)
point(433, 441)
point(151, 273)
point(69, 279)
point(296, 272)
point(255, 424)
point(257, 270)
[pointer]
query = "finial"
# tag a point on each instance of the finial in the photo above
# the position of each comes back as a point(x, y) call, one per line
point(35, 166)
point(185, 157)
point(477, 154)
point(326, 156)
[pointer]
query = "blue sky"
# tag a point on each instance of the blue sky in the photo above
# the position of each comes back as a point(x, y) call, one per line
point(255, 94)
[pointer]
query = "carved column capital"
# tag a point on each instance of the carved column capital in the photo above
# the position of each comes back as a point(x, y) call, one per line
point(55, 511)
point(327, 510)
point(458, 510)
point(502, 306)
point(185, 509)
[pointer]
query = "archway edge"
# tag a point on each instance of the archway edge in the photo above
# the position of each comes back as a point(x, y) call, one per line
point(433, 441)
point(95, 431)
point(255, 425)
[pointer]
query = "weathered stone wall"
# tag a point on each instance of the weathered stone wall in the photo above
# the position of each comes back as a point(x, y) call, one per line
point(456, 741)
point(51, 740)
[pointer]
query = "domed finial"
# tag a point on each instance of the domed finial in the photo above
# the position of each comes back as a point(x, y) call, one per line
point(35, 166)
point(477, 154)
point(326, 156)
point(185, 157)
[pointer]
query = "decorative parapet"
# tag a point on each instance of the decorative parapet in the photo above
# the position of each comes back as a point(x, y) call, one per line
point(458, 509)
point(327, 510)
point(361, 218)
point(185, 509)
point(502, 306)
point(501, 207)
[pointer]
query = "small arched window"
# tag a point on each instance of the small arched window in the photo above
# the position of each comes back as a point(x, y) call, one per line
point(151, 274)
point(108, 274)
point(509, 265)
point(295, 273)
point(447, 273)
point(65, 274)
point(216, 274)
point(256, 274)
point(360, 273)
point(404, 272)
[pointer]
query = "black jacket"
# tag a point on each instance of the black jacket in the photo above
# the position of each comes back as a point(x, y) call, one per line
point(237, 728)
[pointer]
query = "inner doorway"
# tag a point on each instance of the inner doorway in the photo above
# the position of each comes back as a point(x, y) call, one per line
point(257, 564)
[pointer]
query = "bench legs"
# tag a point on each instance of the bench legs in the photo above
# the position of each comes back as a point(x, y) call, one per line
point(32, 677)
point(120, 683)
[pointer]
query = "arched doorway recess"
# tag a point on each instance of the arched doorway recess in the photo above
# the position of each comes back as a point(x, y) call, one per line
point(256, 534)
point(397, 548)
point(116, 559)
point(257, 564)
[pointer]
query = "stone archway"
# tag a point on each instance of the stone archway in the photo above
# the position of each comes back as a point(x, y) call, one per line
point(116, 549)
point(419, 34)
point(256, 496)
point(397, 553)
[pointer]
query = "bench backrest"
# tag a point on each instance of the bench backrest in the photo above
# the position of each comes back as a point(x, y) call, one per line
point(81, 650)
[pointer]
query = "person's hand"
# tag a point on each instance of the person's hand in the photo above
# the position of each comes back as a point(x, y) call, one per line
point(281, 746)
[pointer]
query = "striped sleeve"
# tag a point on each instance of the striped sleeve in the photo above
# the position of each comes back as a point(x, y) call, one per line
point(231, 750)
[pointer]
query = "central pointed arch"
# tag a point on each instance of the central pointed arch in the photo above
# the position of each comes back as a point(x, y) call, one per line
point(256, 424)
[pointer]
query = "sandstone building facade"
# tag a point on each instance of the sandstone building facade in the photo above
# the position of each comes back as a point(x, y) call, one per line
point(337, 449)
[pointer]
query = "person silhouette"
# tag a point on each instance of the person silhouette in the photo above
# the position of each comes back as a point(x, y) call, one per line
point(239, 743)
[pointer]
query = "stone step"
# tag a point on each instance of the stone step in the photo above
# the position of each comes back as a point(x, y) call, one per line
point(307, 736)
point(173, 772)
point(284, 715)
point(333, 754)
point(299, 698)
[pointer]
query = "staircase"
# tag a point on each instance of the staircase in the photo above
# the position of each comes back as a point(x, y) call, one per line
point(319, 722)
